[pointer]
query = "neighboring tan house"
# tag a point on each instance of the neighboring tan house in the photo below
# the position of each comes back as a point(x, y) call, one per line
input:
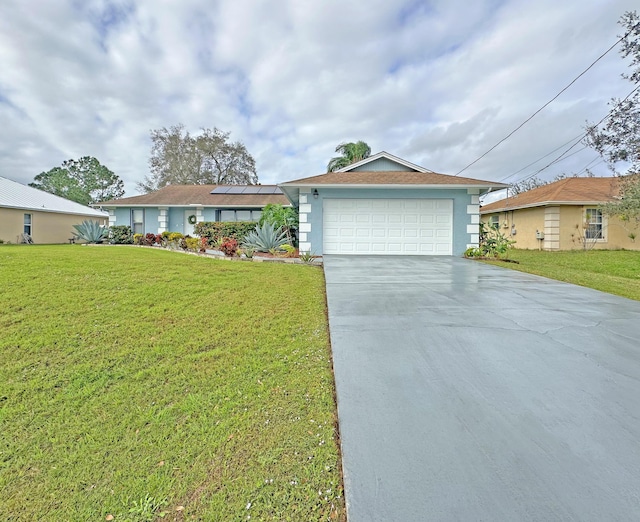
point(44, 217)
point(177, 208)
point(563, 215)
point(384, 205)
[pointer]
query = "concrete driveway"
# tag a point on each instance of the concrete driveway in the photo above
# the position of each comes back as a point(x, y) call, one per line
point(471, 392)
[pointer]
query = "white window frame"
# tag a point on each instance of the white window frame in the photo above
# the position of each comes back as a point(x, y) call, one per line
point(600, 221)
point(28, 223)
point(254, 214)
point(133, 223)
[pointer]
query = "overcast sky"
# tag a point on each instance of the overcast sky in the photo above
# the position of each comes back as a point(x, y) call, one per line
point(436, 83)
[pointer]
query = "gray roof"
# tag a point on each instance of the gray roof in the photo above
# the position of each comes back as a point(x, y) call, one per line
point(17, 195)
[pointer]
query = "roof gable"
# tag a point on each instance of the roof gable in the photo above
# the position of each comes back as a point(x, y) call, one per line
point(568, 191)
point(17, 195)
point(383, 161)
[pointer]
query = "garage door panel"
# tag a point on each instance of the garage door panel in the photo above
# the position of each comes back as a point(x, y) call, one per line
point(388, 226)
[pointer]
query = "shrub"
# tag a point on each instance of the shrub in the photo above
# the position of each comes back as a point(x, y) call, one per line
point(285, 218)
point(492, 242)
point(91, 231)
point(306, 257)
point(138, 239)
point(290, 250)
point(174, 236)
point(248, 252)
point(473, 252)
point(149, 239)
point(204, 243)
point(229, 246)
point(120, 235)
point(191, 243)
point(214, 231)
point(264, 238)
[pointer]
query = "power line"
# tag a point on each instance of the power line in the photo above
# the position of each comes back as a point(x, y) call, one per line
point(577, 141)
point(562, 156)
point(549, 102)
point(543, 157)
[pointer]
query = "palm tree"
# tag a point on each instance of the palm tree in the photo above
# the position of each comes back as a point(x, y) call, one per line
point(350, 153)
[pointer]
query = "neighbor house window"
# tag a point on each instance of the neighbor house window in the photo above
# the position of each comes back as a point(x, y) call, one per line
point(494, 221)
point(137, 221)
point(593, 224)
point(27, 224)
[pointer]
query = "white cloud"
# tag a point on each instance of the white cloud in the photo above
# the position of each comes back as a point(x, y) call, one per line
point(437, 83)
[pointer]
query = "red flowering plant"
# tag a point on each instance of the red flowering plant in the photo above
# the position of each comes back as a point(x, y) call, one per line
point(229, 246)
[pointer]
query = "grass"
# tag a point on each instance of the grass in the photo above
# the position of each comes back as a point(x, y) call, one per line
point(613, 271)
point(141, 384)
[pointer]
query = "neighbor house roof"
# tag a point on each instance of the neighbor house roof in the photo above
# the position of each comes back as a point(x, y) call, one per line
point(17, 195)
point(198, 195)
point(568, 191)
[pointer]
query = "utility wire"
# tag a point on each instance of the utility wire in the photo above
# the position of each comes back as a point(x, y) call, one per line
point(549, 102)
point(581, 136)
point(564, 154)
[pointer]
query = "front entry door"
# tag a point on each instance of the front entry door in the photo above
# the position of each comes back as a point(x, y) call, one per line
point(188, 227)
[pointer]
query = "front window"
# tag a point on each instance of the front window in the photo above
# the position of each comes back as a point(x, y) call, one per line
point(593, 224)
point(137, 221)
point(27, 224)
point(240, 215)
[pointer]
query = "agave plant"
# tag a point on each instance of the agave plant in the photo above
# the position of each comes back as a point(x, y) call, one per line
point(264, 238)
point(91, 231)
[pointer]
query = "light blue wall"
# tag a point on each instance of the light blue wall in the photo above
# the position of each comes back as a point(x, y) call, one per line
point(176, 217)
point(123, 216)
point(382, 165)
point(209, 214)
point(461, 238)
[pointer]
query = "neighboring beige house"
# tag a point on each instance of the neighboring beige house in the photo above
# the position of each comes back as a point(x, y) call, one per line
point(44, 217)
point(563, 215)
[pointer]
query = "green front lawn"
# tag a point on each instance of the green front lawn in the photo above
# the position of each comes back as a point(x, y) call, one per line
point(613, 271)
point(140, 384)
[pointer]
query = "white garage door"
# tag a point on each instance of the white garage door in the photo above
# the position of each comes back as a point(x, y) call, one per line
point(388, 226)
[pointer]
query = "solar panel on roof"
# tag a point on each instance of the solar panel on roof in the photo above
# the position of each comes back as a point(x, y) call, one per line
point(220, 190)
point(236, 189)
point(252, 189)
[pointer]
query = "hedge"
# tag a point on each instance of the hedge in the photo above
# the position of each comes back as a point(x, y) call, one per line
point(216, 230)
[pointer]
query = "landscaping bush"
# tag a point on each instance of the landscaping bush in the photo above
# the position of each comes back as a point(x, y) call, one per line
point(120, 235)
point(215, 231)
point(265, 237)
point(138, 239)
point(229, 246)
point(492, 243)
point(191, 243)
point(284, 218)
point(91, 231)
